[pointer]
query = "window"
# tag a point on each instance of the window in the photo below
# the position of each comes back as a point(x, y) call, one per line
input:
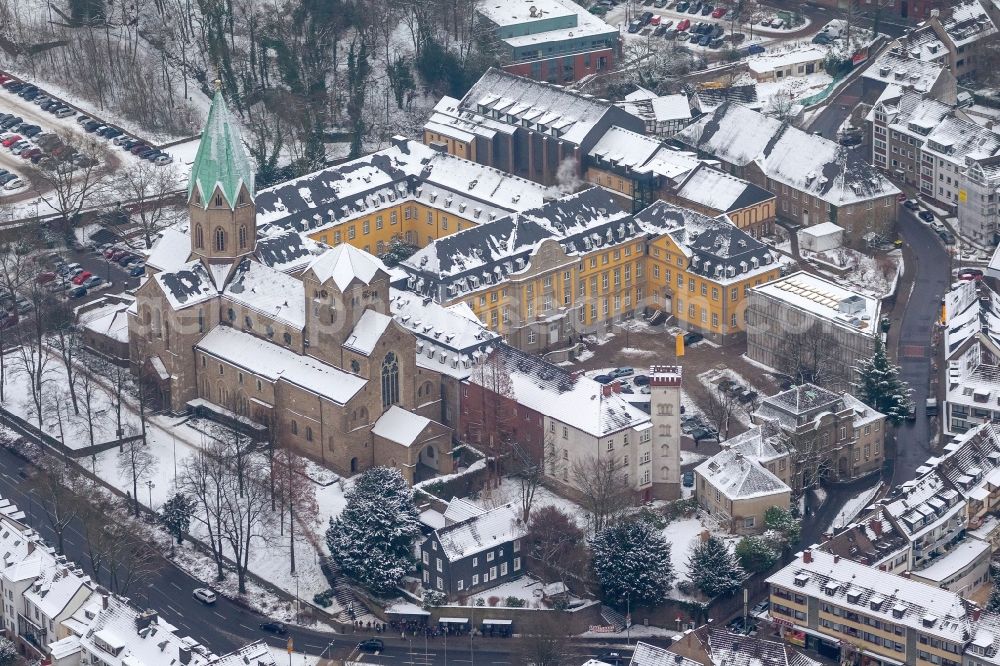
point(748, 522)
point(517, 564)
point(493, 573)
point(439, 564)
point(425, 557)
point(475, 579)
point(390, 380)
point(295, 427)
point(220, 240)
point(489, 556)
point(461, 585)
point(199, 238)
point(309, 434)
point(243, 236)
point(503, 568)
point(440, 583)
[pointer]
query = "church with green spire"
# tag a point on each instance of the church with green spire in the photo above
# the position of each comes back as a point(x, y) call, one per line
point(281, 336)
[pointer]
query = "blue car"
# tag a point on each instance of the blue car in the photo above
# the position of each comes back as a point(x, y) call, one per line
point(137, 270)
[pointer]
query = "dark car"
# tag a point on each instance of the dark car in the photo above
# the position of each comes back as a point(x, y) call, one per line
point(926, 216)
point(371, 645)
point(646, 17)
point(716, 43)
point(947, 237)
point(77, 292)
point(640, 380)
point(682, 7)
point(659, 30)
point(911, 204)
point(687, 478)
point(141, 148)
point(613, 658)
point(634, 26)
point(692, 337)
point(694, 9)
point(137, 270)
point(706, 10)
point(755, 49)
point(704, 40)
point(274, 627)
point(603, 379)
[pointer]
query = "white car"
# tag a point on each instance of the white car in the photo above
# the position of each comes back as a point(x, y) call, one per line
point(778, 23)
point(120, 139)
point(15, 184)
point(205, 595)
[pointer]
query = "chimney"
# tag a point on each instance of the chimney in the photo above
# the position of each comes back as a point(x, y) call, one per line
point(184, 654)
point(905, 574)
point(836, 558)
point(104, 601)
point(606, 391)
point(876, 526)
point(616, 386)
point(144, 619)
point(807, 556)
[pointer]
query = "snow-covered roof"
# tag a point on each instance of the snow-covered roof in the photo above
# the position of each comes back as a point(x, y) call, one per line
point(460, 509)
point(400, 426)
point(827, 578)
point(732, 649)
point(344, 264)
point(172, 249)
point(269, 360)
point(550, 390)
point(285, 250)
point(954, 561)
point(405, 171)
point(487, 530)
point(651, 655)
point(863, 414)
point(113, 635)
point(956, 139)
point(967, 21)
point(624, 148)
point(745, 94)
point(762, 442)
point(906, 72)
point(186, 285)
point(739, 477)
point(924, 44)
point(367, 332)
point(822, 229)
point(566, 114)
point(771, 60)
point(454, 328)
point(520, 13)
point(718, 190)
point(809, 163)
point(824, 299)
point(56, 586)
point(714, 247)
point(587, 26)
point(803, 401)
point(109, 320)
point(268, 291)
point(258, 654)
point(923, 505)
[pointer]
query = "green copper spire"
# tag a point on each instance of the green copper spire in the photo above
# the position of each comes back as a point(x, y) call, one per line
point(221, 159)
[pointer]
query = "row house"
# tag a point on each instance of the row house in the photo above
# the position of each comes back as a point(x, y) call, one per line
point(956, 36)
point(972, 354)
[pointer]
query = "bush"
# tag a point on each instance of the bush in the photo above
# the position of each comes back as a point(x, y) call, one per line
point(480, 602)
point(323, 599)
point(433, 598)
point(515, 602)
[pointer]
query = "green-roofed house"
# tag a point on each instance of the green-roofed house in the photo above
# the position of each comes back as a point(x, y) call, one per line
point(221, 191)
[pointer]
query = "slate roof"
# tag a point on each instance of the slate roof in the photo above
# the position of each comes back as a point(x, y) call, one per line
point(187, 285)
point(762, 442)
point(734, 649)
point(221, 160)
point(172, 249)
point(901, 70)
point(745, 94)
point(802, 400)
point(286, 251)
point(268, 291)
point(967, 21)
point(651, 655)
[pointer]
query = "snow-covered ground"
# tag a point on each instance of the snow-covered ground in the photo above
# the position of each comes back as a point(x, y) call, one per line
point(508, 491)
point(710, 380)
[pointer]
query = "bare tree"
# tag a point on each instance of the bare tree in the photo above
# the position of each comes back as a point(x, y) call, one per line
point(68, 187)
point(298, 494)
point(58, 500)
point(781, 105)
point(201, 480)
point(556, 546)
point(721, 407)
point(808, 357)
point(150, 188)
point(137, 463)
point(604, 491)
point(490, 422)
point(65, 338)
point(528, 470)
point(244, 514)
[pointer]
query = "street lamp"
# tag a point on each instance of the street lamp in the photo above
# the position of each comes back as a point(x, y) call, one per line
point(150, 485)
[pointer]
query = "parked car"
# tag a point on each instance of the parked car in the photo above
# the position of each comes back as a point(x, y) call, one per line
point(912, 204)
point(926, 216)
point(694, 9)
point(646, 17)
point(371, 645)
point(80, 292)
point(970, 274)
point(688, 479)
point(634, 26)
point(683, 25)
point(778, 23)
point(706, 10)
point(640, 380)
point(659, 31)
point(64, 112)
point(667, 23)
point(92, 281)
point(623, 371)
point(603, 379)
point(755, 49)
point(274, 627)
point(719, 12)
point(45, 276)
point(693, 337)
point(761, 607)
point(655, 20)
point(202, 594)
point(14, 184)
point(682, 7)
point(80, 277)
point(10, 141)
point(137, 270)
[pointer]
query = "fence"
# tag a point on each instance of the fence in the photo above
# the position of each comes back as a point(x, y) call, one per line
point(32, 431)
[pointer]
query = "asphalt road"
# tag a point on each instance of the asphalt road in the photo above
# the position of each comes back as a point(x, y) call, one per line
point(931, 279)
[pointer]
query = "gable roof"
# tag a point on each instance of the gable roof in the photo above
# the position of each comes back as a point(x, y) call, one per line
point(487, 530)
point(172, 249)
point(221, 160)
point(268, 291)
point(400, 426)
point(720, 191)
point(187, 285)
point(651, 655)
point(367, 332)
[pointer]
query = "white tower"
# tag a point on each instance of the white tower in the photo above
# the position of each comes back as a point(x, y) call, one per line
point(665, 410)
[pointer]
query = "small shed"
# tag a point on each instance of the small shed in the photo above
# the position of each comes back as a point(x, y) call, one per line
point(821, 237)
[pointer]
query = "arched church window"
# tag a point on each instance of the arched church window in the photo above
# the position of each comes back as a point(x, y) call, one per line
point(390, 380)
point(243, 236)
point(220, 239)
point(199, 237)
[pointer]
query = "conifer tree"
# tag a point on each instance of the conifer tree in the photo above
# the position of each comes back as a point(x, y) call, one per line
point(880, 386)
point(714, 569)
point(631, 560)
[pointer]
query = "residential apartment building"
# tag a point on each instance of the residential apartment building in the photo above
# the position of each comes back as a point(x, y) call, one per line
point(831, 438)
point(930, 514)
point(557, 41)
point(407, 193)
point(856, 613)
point(583, 423)
point(897, 69)
point(808, 327)
point(900, 125)
point(978, 196)
point(814, 179)
point(873, 541)
point(739, 490)
point(524, 127)
point(972, 354)
point(702, 269)
point(474, 554)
